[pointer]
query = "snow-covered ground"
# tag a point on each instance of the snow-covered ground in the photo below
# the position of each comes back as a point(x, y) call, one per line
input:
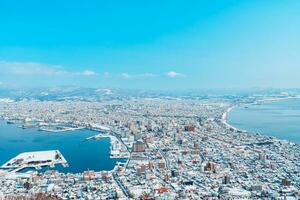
point(35, 159)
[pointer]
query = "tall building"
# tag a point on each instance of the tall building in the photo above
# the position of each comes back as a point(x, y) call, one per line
point(226, 179)
point(138, 147)
point(104, 176)
point(286, 182)
point(210, 167)
point(189, 128)
point(262, 157)
point(131, 126)
point(174, 173)
point(161, 165)
point(89, 175)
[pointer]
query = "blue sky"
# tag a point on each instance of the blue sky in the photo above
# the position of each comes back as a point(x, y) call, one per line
point(153, 44)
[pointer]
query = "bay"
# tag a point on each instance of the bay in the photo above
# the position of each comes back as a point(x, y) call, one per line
point(81, 154)
point(280, 119)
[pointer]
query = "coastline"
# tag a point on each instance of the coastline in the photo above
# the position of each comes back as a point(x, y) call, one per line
point(225, 121)
point(73, 163)
point(116, 151)
point(276, 99)
point(224, 118)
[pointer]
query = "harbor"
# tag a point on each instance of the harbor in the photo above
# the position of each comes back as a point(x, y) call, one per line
point(72, 145)
point(190, 147)
point(117, 148)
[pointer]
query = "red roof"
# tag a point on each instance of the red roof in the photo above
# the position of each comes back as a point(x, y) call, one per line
point(147, 197)
point(161, 190)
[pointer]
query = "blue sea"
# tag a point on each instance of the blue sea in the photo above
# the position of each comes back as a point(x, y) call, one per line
point(81, 154)
point(280, 119)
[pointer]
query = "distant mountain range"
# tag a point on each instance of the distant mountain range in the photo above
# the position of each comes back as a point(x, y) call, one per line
point(80, 93)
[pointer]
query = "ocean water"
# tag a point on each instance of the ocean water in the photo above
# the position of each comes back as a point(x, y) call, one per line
point(80, 153)
point(280, 119)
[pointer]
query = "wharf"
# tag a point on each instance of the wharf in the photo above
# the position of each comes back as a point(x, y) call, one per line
point(64, 129)
point(35, 160)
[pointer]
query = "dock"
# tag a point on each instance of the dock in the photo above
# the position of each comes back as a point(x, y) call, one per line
point(59, 130)
point(116, 149)
point(99, 136)
point(35, 160)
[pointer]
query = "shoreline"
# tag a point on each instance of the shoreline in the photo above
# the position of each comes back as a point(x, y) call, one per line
point(119, 159)
point(224, 118)
point(115, 152)
point(276, 99)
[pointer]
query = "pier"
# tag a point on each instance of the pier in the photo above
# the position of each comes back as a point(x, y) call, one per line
point(35, 160)
point(61, 129)
point(99, 136)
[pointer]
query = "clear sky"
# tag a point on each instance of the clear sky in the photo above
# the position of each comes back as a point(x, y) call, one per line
point(156, 44)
